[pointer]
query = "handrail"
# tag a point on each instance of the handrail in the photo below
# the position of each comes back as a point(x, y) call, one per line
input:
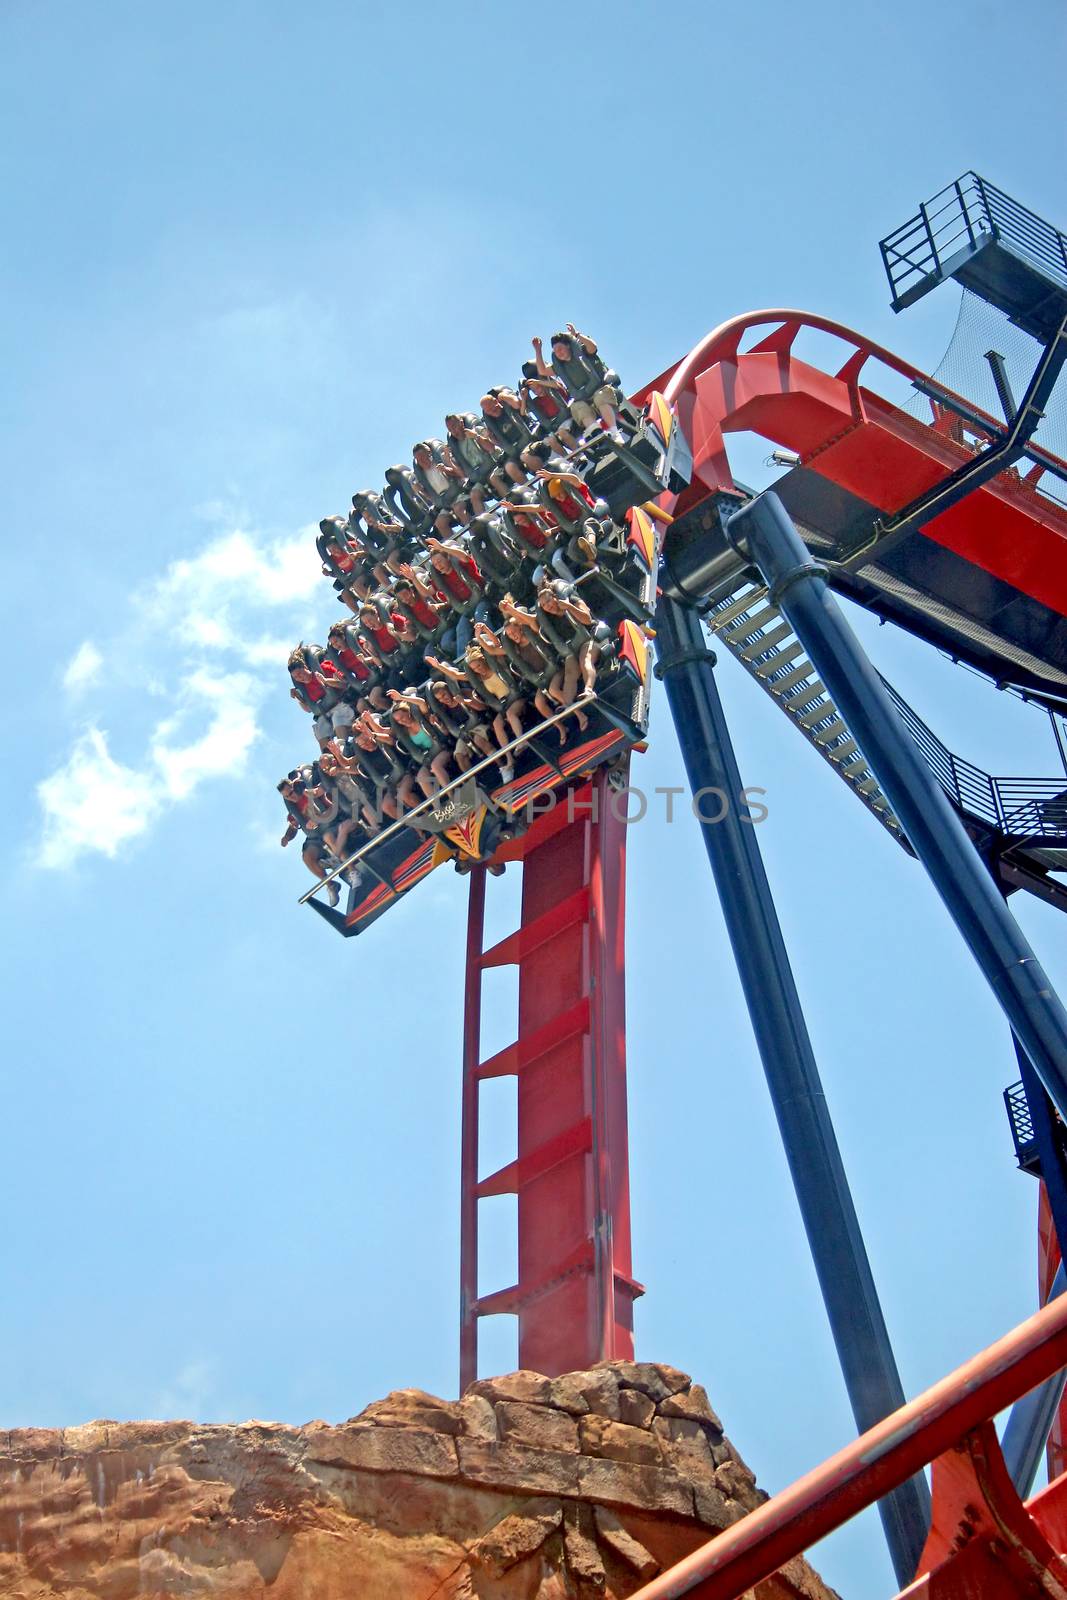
point(1005, 804)
point(970, 206)
point(435, 799)
point(977, 419)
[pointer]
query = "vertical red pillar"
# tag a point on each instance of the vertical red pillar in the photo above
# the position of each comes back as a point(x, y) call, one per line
point(575, 1291)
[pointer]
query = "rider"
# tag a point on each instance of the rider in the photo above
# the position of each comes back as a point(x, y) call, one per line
point(592, 388)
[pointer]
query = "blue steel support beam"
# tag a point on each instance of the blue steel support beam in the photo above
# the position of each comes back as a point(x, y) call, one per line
point(826, 1206)
point(1027, 1429)
point(764, 532)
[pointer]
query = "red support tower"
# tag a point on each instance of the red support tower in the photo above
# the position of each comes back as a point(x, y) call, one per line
point(574, 1295)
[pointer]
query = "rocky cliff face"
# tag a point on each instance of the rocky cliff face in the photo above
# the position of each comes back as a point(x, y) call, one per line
point(528, 1488)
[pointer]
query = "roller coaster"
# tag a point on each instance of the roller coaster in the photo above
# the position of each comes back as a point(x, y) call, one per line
point(949, 521)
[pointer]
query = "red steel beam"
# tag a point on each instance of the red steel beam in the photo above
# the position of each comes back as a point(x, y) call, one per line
point(879, 1460)
point(575, 1291)
point(580, 1320)
point(983, 1541)
point(858, 440)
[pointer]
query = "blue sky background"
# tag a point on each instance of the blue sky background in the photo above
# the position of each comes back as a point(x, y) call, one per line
point(250, 254)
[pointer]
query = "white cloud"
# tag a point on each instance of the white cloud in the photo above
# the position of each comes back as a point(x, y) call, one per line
point(206, 642)
point(222, 749)
point(93, 802)
point(205, 600)
point(83, 668)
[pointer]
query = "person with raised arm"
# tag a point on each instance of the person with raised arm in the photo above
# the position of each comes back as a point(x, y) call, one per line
point(378, 729)
point(461, 587)
point(547, 400)
point(409, 717)
point(593, 391)
point(519, 645)
point(566, 623)
point(473, 452)
point(505, 422)
point(295, 794)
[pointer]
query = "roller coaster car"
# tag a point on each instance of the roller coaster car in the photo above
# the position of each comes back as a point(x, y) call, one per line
point(656, 457)
point(478, 813)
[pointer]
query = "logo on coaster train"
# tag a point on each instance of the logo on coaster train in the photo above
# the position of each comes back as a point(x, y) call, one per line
point(458, 819)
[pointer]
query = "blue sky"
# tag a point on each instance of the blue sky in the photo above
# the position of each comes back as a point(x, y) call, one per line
point(250, 254)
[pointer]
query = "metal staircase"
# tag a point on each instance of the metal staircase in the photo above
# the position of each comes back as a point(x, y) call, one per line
point(1027, 816)
point(758, 636)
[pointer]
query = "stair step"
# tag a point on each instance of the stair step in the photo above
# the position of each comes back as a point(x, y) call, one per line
point(765, 642)
point(576, 1140)
point(758, 619)
point(720, 619)
point(518, 945)
point(794, 676)
point(757, 635)
point(834, 731)
point(779, 659)
point(819, 713)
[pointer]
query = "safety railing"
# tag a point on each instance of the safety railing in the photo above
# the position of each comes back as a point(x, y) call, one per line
point(434, 800)
point(952, 220)
point(1030, 235)
point(1019, 808)
point(975, 428)
point(1022, 1125)
point(961, 216)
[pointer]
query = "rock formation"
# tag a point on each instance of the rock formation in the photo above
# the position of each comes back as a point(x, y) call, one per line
point(528, 1488)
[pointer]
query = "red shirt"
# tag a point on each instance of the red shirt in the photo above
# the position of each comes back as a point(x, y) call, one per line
point(314, 688)
point(425, 614)
point(385, 640)
point(532, 529)
point(455, 582)
point(571, 508)
point(353, 664)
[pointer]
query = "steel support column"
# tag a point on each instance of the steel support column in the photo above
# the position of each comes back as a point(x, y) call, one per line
point(574, 1294)
point(827, 1209)
point(764, 533)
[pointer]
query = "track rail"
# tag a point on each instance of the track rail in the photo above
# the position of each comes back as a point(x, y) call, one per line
point(863, 443)
point(988, 1544)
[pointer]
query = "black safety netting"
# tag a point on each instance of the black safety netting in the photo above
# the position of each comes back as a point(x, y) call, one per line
point(964, 369)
